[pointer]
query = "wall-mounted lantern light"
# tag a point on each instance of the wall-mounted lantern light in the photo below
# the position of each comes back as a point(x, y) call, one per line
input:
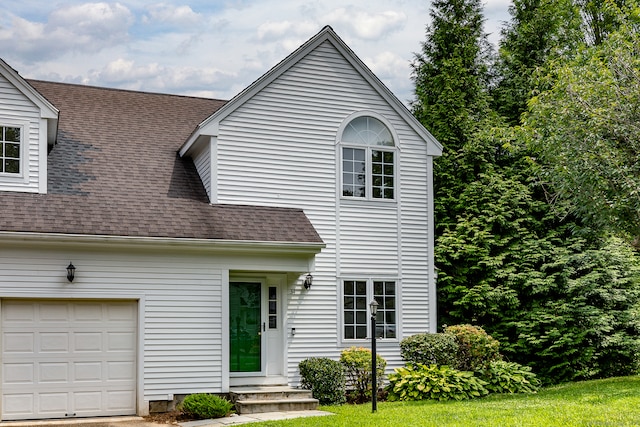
point(71, 272)
point(308, 281)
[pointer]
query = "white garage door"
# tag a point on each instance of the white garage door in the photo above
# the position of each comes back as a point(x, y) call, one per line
point(63, 359)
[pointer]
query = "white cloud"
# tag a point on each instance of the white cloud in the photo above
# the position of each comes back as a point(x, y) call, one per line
point(367, 25)
point(172, 15)
point(87, 27)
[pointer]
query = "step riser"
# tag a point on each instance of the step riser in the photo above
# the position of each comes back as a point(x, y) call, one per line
point(261, 407)
point(303, 394)
point(278, 399)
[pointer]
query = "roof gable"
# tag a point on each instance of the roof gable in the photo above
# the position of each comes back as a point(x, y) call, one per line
point(47, 110)
point(209, 127)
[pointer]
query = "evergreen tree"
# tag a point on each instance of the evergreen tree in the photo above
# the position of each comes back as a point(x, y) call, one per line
point(539, 30)
point(451, 73)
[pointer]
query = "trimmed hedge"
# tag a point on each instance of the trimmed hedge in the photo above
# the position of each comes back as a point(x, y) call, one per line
point(204, 406)
point(325, 378)
point(430, 349)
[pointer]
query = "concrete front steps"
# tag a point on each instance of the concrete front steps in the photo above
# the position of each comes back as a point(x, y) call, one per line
point(260, 399)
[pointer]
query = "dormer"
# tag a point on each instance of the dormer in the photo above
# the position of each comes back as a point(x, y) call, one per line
point(28, 126)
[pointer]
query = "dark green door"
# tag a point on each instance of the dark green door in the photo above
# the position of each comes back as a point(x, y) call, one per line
point(245, 323)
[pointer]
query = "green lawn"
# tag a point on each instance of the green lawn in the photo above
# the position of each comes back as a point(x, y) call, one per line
point(610, 402)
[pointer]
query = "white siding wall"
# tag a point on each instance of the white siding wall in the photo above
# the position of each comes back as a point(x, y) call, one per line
point(202, 161)
point(278, 149)
point(180, 303)
point(16, 109)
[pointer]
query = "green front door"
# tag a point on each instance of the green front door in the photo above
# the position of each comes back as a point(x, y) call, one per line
point(245, 322)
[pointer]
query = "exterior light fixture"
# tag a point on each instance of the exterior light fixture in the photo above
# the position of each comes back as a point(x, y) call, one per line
point(308, 281)
point(71, 272)
point(373, 306)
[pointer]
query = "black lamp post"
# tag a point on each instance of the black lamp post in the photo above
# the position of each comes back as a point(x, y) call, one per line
point(374, 366)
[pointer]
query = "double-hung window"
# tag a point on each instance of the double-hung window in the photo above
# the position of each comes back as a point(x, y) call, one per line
point(368, 160)
point(10, 150)
point(357, 294)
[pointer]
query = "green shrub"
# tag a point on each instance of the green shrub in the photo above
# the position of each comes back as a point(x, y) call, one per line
point(421, 382)
point(430, 349)
point(205, 406)
point(476, 348)
point(357, 364)
point(325, 378)
point(509, 377)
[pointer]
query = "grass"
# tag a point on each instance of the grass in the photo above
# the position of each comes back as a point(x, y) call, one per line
point(609, 402)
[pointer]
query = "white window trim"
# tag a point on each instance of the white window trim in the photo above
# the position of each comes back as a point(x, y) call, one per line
point(395, 149)
point(369, 280)
point(23, 176)
point(368, 190)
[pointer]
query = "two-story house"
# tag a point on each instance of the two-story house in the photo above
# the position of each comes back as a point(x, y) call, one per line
point(157, 245)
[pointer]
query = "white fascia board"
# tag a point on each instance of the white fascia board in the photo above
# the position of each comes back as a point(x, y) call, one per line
point(47, 110)
point(213, 245)
point(434, 147)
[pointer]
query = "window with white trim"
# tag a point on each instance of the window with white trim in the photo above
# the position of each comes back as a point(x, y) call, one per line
point(10, 149)
point(357, 294)
point(368, 159)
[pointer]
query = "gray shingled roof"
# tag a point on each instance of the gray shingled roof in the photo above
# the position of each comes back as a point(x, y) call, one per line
point(115, 171)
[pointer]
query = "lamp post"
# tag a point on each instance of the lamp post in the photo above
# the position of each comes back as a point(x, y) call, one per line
point(374, 366)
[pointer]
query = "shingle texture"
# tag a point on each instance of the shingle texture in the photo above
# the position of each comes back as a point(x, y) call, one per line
point(115, 171)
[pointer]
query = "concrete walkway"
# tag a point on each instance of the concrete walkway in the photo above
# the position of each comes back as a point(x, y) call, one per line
point(253, 418)
point(141, 422)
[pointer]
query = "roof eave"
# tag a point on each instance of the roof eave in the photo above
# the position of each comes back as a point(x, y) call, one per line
point(216, 245)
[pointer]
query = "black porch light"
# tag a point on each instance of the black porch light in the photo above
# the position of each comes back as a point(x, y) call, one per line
point(308, 281)
point(71, 272)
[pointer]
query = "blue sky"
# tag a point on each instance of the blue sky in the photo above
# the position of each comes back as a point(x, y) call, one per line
point(207, 48)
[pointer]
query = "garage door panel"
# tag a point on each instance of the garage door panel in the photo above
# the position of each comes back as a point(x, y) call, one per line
point(87, 371)
point(87, 341)
point(53, 311)
point(120, 400)
point(120, 371)
point(87, 401)
point(56, 342)
point(19, 405)
point(53, 372)
point(18, 373)
point(18, 342)
point(63, 359)
point(53, 403)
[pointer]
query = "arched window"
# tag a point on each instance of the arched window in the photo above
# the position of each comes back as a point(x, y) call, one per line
point(368, 159)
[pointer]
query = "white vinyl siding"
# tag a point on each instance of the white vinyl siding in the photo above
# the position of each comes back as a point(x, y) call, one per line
point(279, 149)
point(17, 110)
point(179, 298)
point(202, 162)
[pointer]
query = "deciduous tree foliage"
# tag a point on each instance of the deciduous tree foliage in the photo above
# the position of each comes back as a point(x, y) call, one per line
point(586, 128)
